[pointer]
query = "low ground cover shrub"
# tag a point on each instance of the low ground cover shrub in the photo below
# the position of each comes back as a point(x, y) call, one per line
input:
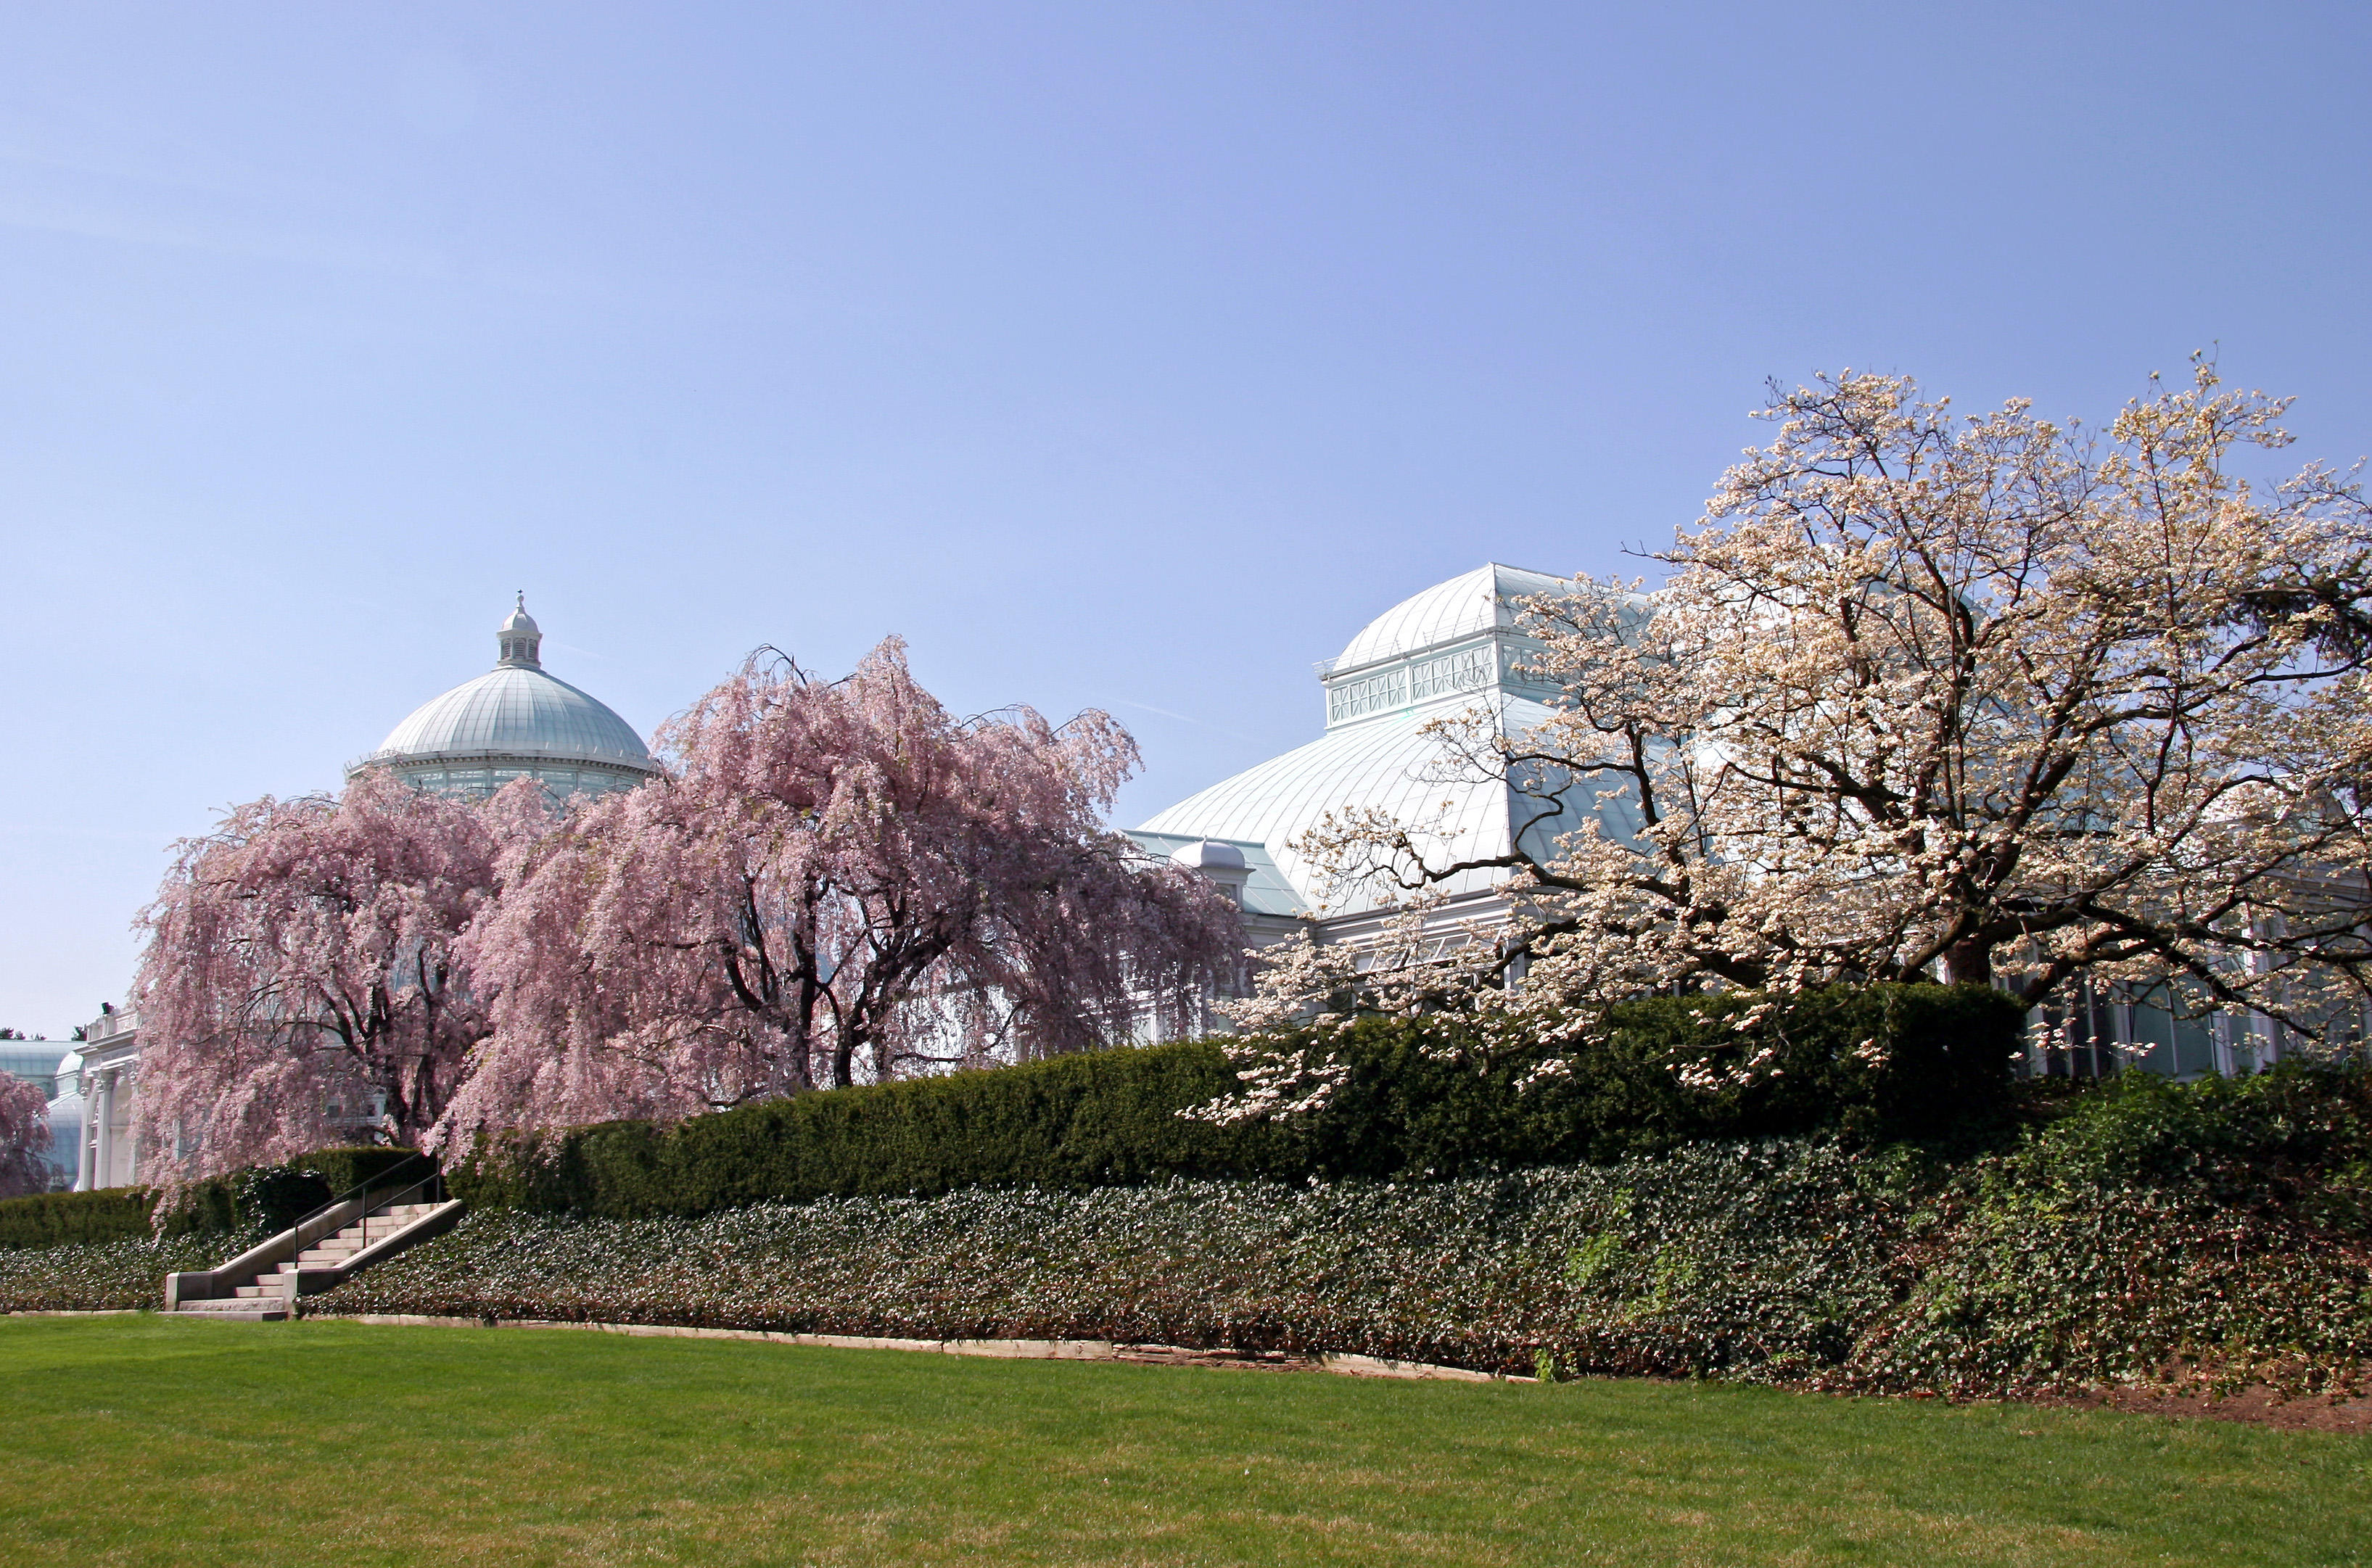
point(1420, 1101)
point(2087, 1254)
point(97, 1277)
point(1472, 1271)
point(2225, 1223)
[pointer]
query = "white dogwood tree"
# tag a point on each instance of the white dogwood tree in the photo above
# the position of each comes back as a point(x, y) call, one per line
point(1979, 699)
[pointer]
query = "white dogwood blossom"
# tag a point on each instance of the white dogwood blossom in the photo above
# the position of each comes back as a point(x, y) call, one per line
point(1980, 698)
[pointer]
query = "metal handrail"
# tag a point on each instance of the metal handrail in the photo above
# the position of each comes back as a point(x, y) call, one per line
point(362, 1190)
point(435, 1179)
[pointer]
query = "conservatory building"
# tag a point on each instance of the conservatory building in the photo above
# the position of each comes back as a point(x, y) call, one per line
point(1459, 646)
point(1456, 647)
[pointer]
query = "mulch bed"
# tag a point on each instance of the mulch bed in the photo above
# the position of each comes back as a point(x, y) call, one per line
point(2258, 1405)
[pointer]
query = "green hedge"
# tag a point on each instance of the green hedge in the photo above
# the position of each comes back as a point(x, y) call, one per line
point(1948, 1077)
point(76, 1219)
point(266, 1200)
point(2296, 1137)
point(259, 1201)
point(1106, 1117)
point(344, 1170)
point(1420, 1101)
point(2155, 1231)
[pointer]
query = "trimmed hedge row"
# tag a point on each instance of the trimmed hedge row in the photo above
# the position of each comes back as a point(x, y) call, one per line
point(2097, 1250)
point(76, 1219)
point(1420, 1101)
point(267, 1199)
point(259, 1201)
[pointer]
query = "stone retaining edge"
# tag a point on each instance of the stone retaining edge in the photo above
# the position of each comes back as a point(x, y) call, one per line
point(75, 1311)
point(1011, 1349)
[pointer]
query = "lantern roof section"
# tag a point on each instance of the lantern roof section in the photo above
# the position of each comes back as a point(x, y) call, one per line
point(1465, 605)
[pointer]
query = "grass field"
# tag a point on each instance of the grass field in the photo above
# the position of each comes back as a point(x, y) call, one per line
point(139, 1440)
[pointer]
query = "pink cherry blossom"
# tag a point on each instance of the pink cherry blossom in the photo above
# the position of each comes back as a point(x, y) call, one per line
point(302, 956)
point(840, 882)
point(24, 1138)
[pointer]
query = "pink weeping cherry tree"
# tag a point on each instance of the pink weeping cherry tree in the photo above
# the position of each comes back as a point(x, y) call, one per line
point(302, 968)
point(24, 1138)
point(842, 883)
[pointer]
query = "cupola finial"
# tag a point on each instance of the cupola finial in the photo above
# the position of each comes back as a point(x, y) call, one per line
point(521, 639)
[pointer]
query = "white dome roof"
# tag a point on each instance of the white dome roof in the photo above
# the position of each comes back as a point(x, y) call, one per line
point(515, 711)
point(1376, 757)
point(1382, 766)
point(1462, 606)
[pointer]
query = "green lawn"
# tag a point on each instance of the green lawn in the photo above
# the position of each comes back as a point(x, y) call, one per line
point(138, 1440)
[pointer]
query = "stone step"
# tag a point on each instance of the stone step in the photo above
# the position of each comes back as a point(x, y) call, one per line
point(269, 1295)
point(236, 1311)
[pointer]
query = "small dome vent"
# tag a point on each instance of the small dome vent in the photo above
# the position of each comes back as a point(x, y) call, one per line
point(1209, 854)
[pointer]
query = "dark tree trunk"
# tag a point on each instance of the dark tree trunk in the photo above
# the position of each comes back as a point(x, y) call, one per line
point(1969, 963)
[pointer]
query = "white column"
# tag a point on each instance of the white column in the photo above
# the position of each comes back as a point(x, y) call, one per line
point(83, 1171)
point(103, 1115)
point(127, 1148)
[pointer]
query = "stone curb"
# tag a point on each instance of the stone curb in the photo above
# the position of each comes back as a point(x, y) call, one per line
point(78, 1312)
point(1007, 1350)
point(1377, 1366)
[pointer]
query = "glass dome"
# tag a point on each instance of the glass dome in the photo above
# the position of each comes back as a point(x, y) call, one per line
point(515, 720)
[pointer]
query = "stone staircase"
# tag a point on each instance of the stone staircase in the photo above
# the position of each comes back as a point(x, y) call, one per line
point(263, 1284)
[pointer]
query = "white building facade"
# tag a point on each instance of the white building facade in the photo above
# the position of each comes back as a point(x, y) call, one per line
point(107, 1078)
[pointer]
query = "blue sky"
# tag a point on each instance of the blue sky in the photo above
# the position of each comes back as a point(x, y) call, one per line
point(1119, 355)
